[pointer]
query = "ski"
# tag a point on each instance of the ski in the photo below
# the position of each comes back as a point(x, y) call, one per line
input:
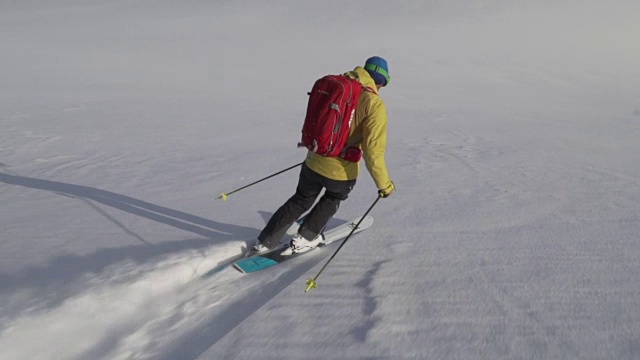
point(273, 257)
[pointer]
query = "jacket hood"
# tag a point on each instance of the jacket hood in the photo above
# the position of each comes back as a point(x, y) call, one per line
point(365, 79)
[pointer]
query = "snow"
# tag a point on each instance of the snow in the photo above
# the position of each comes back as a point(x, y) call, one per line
point(513, 142)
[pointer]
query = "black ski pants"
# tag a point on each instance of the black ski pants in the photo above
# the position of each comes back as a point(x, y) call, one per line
point(310, 186)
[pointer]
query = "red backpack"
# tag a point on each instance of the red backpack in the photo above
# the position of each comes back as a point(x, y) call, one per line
point(332, 105)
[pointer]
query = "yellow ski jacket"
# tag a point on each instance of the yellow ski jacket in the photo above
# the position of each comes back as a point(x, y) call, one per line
point(368, 131)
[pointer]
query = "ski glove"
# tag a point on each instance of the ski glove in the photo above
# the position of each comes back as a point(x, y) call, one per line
point(386, 192)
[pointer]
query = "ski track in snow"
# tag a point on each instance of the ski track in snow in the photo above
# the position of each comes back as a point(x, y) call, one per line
point(118, 300)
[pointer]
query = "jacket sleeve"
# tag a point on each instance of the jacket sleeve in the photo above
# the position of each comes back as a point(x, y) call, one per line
point(374, 143)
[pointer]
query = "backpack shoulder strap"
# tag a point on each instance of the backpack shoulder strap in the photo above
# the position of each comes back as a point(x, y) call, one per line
point(369, 89)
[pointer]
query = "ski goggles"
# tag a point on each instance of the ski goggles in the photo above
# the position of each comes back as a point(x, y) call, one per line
point(379, 70)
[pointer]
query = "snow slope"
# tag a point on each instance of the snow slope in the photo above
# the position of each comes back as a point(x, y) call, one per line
point(513, 141)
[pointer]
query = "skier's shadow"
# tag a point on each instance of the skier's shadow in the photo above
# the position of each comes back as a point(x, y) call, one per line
point(54, 281)
point(178, 219)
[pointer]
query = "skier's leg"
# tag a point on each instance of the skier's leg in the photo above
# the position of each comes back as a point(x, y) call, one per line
point(336, 192)
point(306, 193)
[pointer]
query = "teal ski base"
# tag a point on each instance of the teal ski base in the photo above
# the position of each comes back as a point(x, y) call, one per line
point(254, 263)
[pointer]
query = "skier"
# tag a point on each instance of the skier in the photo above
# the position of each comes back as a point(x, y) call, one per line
point(337, 176)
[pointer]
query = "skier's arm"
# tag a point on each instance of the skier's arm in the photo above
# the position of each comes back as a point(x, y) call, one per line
point(374, 143)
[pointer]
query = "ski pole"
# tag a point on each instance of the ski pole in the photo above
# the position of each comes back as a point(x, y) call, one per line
point(224, 195)
point(311, 283)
